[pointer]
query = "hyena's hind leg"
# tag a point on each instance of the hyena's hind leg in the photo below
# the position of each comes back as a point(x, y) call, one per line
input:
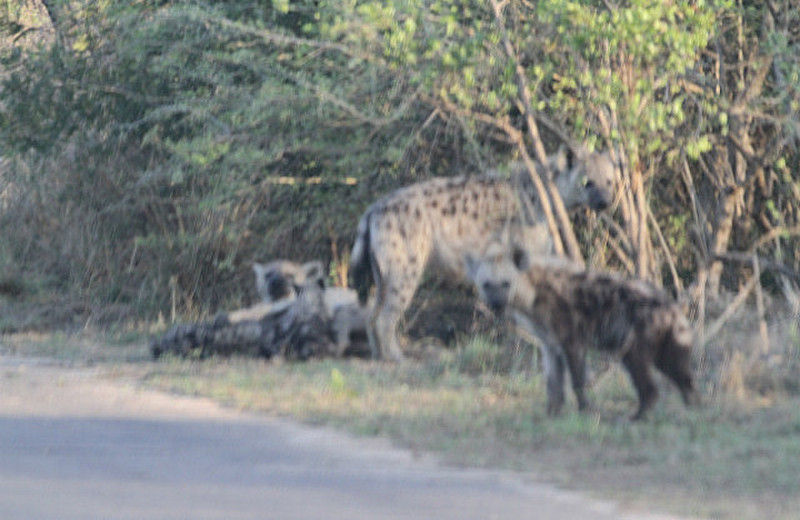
point(392, 298)
point(553, 363)
point(576, 361)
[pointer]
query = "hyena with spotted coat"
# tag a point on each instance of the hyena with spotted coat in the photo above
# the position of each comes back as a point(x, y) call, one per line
point(277, 283)
point(437, 221)
point(571, 310)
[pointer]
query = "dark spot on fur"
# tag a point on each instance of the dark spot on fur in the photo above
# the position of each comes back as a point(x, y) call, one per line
point(417, 213)
point(434, 204)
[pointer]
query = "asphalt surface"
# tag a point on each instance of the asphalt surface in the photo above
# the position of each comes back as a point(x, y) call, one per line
point(75, 444)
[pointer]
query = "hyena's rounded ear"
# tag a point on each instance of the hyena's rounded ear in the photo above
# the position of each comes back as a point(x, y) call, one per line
point(258, 269)
point(314, 272)
point(564, 159)
point(520, 257)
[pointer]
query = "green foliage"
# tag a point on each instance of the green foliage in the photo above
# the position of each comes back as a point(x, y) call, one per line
point(150, 141)
point(166, 127)
point(630, 61)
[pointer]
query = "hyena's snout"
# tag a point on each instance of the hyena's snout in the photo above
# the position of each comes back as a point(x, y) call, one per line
point(277, 287)
point(599, 198)
point(496, 295)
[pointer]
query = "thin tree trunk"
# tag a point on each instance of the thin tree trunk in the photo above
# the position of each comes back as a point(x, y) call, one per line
point(723, 227)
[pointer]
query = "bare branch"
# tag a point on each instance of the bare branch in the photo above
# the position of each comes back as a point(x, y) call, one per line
point(762, 322)
point(775, 233)
point(564, 224)
point(764, 263)
point(670, 262)
point(720, 322)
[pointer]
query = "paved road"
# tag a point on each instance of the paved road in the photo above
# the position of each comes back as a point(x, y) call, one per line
point(76, 445)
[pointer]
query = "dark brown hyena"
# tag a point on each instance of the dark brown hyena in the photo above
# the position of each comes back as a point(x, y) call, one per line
point(438, 221)
point(570, 310)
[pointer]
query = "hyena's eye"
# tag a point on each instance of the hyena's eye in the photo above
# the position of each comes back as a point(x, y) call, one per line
point(585, 182)
point(505, 285)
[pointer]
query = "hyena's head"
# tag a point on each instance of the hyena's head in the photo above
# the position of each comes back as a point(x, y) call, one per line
point(496, 273)
point(584, 179)
point(285, 279)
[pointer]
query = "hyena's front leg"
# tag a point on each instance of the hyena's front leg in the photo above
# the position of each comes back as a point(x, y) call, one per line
point(553, 362)
point(674, 359)
point(639, 369)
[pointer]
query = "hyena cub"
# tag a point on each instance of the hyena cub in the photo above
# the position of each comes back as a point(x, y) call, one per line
point(436, 222)
point(571, 310)
point(278, 281)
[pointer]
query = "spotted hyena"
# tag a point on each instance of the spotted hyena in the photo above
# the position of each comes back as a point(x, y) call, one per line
point(570, 310)
point(437, 221)
point(279, 281)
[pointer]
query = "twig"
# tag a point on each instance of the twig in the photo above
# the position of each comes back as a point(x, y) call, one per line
point(699, 298)
point(623, 256)
point(764, 263)
point(697, 213)
point(775, 233)
point(23, 32)
point(662, 241)
point(762, 322)
point(715, 327)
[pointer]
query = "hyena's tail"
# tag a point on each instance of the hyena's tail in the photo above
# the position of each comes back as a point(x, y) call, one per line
point(360, 268)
